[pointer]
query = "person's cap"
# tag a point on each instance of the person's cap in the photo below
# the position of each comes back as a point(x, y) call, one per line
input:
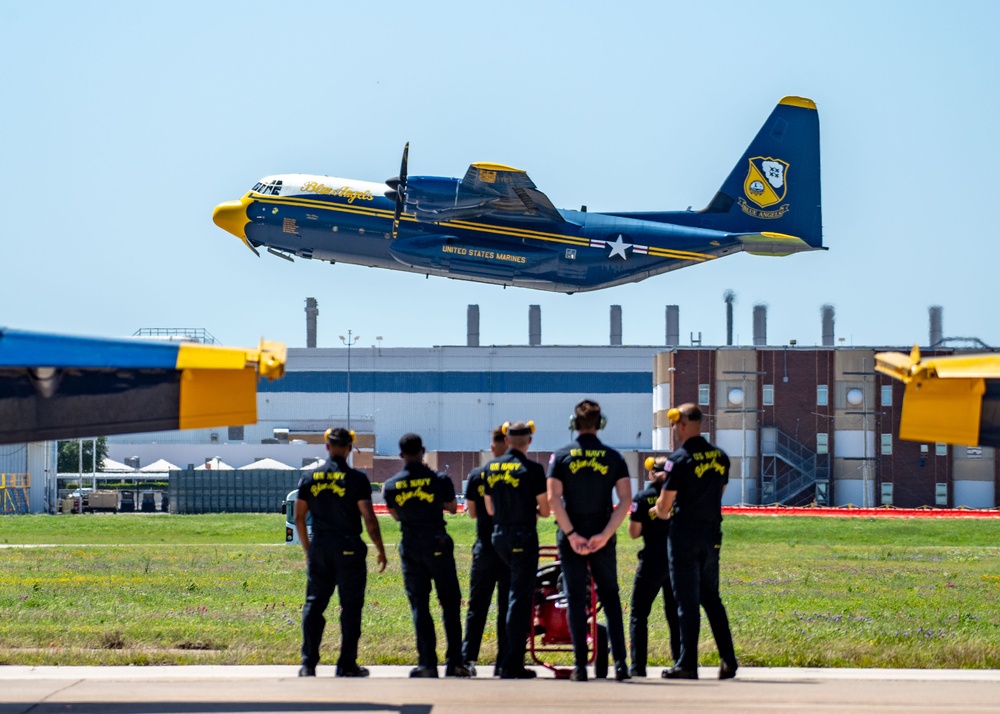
point(411, 444)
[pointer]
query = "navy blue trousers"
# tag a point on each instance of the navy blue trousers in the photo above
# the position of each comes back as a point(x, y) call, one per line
point(694, 574)
point(651, 578)
point(604, 570)
point(488, 573)
point(518, 549)
point(334, 562)
point(425, 562)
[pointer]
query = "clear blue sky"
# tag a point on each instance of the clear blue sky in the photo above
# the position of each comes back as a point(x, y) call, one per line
point(124, 124)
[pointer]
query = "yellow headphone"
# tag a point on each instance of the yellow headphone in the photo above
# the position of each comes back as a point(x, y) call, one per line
point(674, 415)
point(329, 431)
point(506, 428)
point(649, 463)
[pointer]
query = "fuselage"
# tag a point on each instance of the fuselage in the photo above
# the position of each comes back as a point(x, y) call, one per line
point(351, 221)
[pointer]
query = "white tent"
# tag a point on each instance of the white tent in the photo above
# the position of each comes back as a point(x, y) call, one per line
point(112, 465)
point(215, 464)
point(313, 466)
point(269, 464)
point(159, 466)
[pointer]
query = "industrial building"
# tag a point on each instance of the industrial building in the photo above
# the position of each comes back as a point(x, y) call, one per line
point(802, 424)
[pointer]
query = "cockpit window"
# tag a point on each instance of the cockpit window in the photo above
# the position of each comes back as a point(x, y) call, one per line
point(271, 188)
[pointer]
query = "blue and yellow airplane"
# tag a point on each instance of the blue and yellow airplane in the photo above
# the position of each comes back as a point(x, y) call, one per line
point(64, 387)
point(495, 226)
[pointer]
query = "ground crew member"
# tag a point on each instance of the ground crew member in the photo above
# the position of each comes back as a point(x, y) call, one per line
point(338, 498)
point(581, 477)
point(515, 497)
point(487, 572)
point(417, 498)
point(697, 474)
point(653, 574)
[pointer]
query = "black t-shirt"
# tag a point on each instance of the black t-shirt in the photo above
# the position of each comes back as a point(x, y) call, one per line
point(333, 492)
point(513, 482)
point(589, 471)
point(417, 494)
point(654, 530)
point(698, 472)
point(475, 489)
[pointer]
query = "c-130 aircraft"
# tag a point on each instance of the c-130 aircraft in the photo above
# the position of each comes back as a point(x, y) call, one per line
point(494, 226)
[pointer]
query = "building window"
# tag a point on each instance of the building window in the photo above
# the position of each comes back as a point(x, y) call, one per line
point(822, 443)
point(940, 449)
point(703, 395)
point(886, 444)
point(236, 433)
point(768, 395)
point(822, 395)
point(887, 395)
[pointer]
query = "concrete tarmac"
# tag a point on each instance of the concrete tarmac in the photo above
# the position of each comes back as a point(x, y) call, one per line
point(275, 688)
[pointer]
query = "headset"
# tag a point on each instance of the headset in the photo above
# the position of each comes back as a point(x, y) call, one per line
point(329, 433)
point(650, 464)
point(674, 415)
point(600, 424)
point(525, 431)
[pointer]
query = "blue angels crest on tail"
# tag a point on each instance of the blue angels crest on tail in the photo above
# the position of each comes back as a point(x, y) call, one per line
point(494, 225)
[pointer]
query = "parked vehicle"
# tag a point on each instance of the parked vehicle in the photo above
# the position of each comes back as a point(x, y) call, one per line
point(288, 508)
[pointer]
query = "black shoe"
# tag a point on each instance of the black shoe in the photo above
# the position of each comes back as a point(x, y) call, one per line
point(307, 671)
point(621, 672)
point(457, 670)
point(679, 673)
point(422, 672)
point(352, 671)
point(523, 673)
point(579, 674)
point(471, 666)
point(728, 670)
point(637, 672)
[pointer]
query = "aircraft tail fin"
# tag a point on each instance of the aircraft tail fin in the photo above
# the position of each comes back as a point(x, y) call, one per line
point(774, 189)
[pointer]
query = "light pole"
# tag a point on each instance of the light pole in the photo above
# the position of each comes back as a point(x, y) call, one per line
point(349, 340)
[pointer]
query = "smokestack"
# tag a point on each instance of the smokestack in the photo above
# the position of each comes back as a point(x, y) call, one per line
point(472, 328)
point(936, 328)
point(673, 325)
point(534, 325)
point(730, 297)
point(827, 312)
point(312, 311)
point(616, 325)
point(759, 325)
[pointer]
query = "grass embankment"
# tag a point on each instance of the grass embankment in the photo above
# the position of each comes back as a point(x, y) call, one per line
point(222, 589)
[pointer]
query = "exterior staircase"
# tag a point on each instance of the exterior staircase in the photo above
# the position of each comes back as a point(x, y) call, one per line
point(14, 493)
point(805, 469)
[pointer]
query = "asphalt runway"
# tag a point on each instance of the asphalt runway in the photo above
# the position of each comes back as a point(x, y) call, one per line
point(275, 688)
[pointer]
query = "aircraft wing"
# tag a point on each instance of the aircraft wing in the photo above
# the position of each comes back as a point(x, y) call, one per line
point(511, 191)
point(63, 387)
point(951, 400)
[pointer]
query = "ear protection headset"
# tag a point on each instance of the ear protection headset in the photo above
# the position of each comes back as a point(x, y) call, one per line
point(674, 415)
point(600, 425)
point(525, 431)
point(649, 463)
point(329, 432)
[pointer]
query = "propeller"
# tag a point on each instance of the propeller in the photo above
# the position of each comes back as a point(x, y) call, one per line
point(397, 191)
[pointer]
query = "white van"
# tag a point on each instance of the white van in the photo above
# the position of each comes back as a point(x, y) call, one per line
point(288, 508)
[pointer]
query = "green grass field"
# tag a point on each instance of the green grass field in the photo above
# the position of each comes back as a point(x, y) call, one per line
point(155, 589)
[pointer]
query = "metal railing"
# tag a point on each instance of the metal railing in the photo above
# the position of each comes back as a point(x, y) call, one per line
point(808, 467)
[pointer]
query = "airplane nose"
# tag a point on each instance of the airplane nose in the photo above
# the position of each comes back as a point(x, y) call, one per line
point(231, 217)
